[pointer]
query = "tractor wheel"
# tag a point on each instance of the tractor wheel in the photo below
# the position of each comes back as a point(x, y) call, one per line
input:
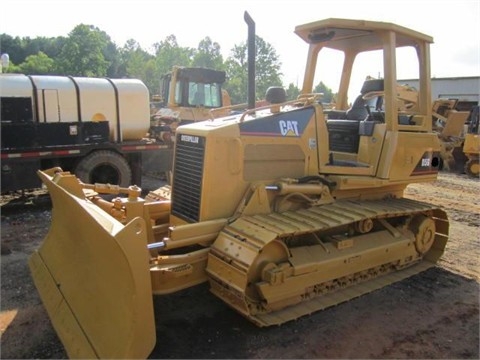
point(472, 168)
point(105, 167)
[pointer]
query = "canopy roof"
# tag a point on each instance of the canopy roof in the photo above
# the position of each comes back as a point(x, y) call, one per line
point(346, 34)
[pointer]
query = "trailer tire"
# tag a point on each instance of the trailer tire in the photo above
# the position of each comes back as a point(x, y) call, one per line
point(105, 167)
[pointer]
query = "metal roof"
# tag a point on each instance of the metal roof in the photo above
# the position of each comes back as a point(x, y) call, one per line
point(345, 34)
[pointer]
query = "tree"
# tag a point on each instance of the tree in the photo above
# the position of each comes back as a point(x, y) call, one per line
point(168, 54)
point(11, 69)
point(267, 70)
point(327, 92)
point(135, 64)
point(88, 51)
point(236, 68)
point(49, 46)
point(112, 56)
point(39, 64)
point(13, 47)
point(208, 55)
point(152, 77)
point(267, 67)
point(82, 54)
point(292, 92)
point(133, 60)
point(20, 50)
point(141, 65)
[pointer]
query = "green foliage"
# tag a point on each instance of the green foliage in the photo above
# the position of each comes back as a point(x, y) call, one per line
point(82, 53)
point(20, 48)
point(89, 51)
point(208, 55)
point(236, 68)
point(267, 70)
point(133, 61)
point(14, 47)
point(169, 53)
point(12, 68)
point(326, 91)
point(328, 96)
point(152, 77)
point(39, 64)
point(292, 92)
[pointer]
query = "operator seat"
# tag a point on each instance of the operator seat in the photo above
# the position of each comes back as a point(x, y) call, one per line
point(373, 85)
point(358, 110)
point(344, 127)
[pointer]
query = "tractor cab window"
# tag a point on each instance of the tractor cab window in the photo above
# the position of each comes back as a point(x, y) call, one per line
point(206, 95)
point(165, 89)
point(178, 93)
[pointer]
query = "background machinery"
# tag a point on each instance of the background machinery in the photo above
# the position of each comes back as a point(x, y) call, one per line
point(284, 210)
point(187, 94)
point(471, 144)
point(453, 127)
point(96, 128)
point(449, 123)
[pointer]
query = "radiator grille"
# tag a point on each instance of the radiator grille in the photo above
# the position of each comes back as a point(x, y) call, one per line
point(187, 177)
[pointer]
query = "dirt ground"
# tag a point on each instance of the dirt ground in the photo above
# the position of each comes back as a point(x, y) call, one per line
point(432, 315)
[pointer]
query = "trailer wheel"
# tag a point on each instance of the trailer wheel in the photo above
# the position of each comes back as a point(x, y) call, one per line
point(105, 167)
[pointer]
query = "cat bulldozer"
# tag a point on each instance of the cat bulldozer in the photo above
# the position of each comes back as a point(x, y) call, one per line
point(284, 210)
point(187, 94)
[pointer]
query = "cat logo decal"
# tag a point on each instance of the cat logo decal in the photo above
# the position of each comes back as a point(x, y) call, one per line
point(289, 128)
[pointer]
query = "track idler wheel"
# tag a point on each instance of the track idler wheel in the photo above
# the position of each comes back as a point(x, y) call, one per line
point(271, 255)
point(423, 227)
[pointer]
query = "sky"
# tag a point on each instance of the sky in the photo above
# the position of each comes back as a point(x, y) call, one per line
point(454, 25)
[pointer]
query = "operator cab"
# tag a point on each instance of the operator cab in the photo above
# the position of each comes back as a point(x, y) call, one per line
point(193, 87)
point(358, 134)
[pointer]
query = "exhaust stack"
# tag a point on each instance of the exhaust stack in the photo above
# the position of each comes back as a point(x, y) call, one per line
point(251, 60)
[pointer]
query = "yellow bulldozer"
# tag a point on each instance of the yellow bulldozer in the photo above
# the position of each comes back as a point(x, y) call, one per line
point(471, 144)
point(284, 209)
point(449, 123)
point(188, 94)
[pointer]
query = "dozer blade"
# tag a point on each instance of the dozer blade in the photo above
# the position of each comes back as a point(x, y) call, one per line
point(92, 274)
